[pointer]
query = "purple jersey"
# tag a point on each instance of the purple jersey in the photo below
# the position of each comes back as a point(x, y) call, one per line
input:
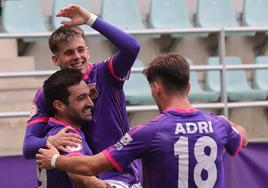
point(55, 178)
point(178, 149)
point(110, 120)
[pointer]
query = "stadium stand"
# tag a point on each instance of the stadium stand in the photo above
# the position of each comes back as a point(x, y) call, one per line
point(215, 13)
point(197, 94)
point(122, 13)
point(237, 86)
point(260, 76)
point(8, 48)
point(255, 13)
point(16, 95)
point(137, 89)
point(173, 15)
point(22, 16)
point(58, 4)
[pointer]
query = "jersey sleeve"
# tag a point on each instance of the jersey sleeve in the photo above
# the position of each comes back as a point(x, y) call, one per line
point(35, 131)
point(40, 110)
point(128, 47)
point(130, 147)
point(34, 139)
point(233, 140)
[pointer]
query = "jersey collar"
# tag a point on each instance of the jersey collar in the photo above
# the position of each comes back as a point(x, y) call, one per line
point(53, 120)
point(182, 110)
point(86, 75)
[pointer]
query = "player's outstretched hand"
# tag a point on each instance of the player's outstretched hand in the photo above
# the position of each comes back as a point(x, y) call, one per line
point(64, 138)
point(76, 13)
point(44, 156)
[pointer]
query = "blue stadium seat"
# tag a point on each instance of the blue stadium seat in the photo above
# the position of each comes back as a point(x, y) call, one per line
point(255, 13)
point(22, 16)
point(122, 13)
point(137, 89)
point(59, 4)
point(197, 93)
point(236, 82)
point(260, 76)
point(173, 15)
point(215, 13)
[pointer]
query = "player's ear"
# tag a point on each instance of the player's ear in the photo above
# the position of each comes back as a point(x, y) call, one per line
point(156, 86)
point(59, 106)
point(55, 60)
point(188, 88)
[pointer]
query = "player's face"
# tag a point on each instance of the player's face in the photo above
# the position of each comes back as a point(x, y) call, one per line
point(80, 104)
point(73, 54)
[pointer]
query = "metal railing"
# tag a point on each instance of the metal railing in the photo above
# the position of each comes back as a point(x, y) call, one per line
point(224, 104)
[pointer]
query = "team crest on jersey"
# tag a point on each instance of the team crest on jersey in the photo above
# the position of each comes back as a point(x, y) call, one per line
point(33, 110)
point(74, 148)
point(93, 91)
point(125, 140)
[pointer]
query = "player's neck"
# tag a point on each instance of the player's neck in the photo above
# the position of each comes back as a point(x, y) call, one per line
point(176, 102)
point(67, 121)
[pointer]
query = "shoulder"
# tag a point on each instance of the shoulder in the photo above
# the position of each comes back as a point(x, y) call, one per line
point(224, 121)
point(95, 69)
point(54, 128)
point(148, 129)
point(158, 119)
point(39, 106)
point(39, 95)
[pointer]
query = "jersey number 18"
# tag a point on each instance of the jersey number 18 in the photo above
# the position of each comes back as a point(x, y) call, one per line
point(204, 161)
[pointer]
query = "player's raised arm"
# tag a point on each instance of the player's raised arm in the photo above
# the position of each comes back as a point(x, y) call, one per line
point(127, 45)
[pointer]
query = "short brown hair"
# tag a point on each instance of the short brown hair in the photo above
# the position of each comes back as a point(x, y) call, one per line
point(63, 34)
point(173, 71)
point(56, 87)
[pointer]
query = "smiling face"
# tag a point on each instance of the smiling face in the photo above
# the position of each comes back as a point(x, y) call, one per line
point(72, 54)
point(78, 109)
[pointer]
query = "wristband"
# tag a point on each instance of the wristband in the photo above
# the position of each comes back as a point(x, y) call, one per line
point(53, 160)
point(91, 20)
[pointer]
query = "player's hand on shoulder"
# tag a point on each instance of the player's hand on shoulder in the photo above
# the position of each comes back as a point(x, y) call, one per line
point(64, 138)
point(76, 13)
point(44, 156)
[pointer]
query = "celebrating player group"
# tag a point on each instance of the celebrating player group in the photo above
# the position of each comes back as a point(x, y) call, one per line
point(79, 132)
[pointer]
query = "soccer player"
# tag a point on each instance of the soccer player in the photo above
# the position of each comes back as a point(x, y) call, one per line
point(68, 96)
point(182, 147)
point(106, 81)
